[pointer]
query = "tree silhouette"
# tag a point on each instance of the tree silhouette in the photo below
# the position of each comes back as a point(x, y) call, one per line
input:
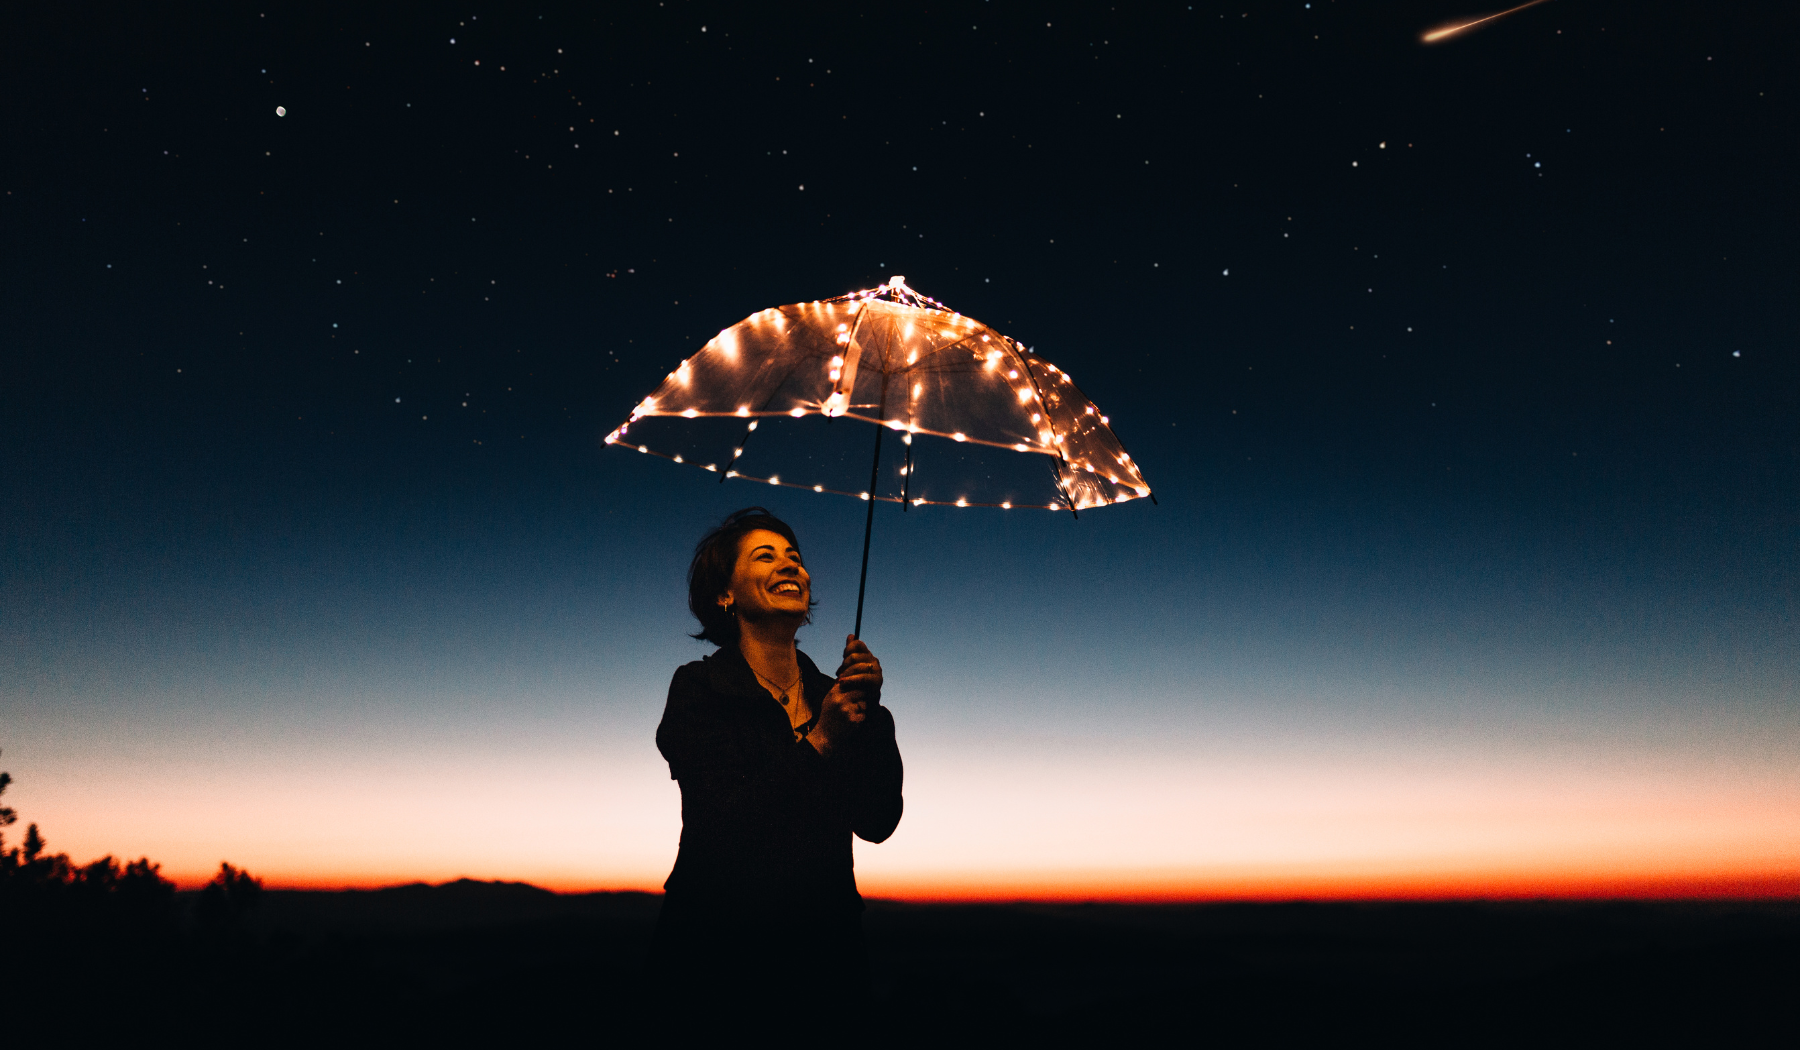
point(8, 816)
point(227, 901)
point(50, 887)
point(104, 902)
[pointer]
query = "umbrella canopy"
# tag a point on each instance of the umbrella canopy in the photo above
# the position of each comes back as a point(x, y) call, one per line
point(892, 357)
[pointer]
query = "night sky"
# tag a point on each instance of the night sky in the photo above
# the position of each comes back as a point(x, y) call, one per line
point(1465, 375)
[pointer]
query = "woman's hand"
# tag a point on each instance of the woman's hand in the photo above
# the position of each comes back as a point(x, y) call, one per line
point(844, 708)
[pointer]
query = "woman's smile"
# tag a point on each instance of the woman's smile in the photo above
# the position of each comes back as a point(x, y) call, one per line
point(770, 579)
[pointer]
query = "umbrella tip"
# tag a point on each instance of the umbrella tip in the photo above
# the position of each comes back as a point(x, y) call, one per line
point(897, 282)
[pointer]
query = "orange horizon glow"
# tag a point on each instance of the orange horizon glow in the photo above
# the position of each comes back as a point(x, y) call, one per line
point(1444, 31)
point(1595, 877)
point(1144, 830)
point(1125, 888)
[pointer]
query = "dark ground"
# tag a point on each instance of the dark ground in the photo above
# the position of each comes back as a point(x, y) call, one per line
point(510, 963)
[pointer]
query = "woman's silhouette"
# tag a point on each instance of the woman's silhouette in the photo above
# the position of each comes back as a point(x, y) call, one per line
point(779, 764)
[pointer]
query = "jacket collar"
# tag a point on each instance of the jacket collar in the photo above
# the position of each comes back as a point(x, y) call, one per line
point(730, 673)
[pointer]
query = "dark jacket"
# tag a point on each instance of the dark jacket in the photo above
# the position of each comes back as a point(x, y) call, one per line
point(765, 819)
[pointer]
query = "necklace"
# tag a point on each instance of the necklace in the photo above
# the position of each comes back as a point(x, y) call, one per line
point(788, 704)
point(783, 688)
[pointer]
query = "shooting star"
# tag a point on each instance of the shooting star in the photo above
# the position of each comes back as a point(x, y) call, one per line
point(1438, 34)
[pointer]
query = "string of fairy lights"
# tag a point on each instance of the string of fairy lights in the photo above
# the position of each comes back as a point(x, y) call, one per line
point(997, 355)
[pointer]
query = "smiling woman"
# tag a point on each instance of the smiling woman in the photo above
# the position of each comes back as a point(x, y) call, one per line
point(779, 765)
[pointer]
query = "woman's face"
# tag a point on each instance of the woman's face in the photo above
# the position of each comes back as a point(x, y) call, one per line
point(769, 581)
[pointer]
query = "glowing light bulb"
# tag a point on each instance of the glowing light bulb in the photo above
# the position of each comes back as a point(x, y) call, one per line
point(754, 425)
point(743, 410)
point(863, 495)
point(774, 479)
point(961, 502)
point(1105, 420)
point(678, 459)
point(642, 449)
point(689, 413)
point(797, 413)
point(1019, 448)
point(714, 467)
point(1006, 506)
point(818, 488)
point(1014, 374)
point(959, 436)
point(895, 424)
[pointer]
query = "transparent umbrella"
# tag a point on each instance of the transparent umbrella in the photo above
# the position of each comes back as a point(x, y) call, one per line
point(1016, 432)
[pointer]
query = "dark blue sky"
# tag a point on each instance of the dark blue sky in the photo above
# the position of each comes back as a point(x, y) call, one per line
point(1465, 376)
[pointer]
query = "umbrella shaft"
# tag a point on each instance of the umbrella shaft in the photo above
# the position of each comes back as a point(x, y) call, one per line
point(862, 584)
point(906, 477)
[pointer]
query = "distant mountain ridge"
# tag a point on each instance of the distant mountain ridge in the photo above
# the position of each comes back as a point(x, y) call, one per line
point(456, 905)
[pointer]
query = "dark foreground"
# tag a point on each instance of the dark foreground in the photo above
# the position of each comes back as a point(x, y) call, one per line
point(484, 962)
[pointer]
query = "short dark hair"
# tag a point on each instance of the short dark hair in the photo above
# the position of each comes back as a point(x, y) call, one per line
point(715, 560)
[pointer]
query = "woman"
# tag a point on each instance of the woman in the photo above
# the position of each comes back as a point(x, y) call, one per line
point(778, 764)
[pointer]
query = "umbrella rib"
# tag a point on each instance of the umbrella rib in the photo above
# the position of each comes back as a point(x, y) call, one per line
point(1060, 462)
point(1122, 448)
point(855, 327)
